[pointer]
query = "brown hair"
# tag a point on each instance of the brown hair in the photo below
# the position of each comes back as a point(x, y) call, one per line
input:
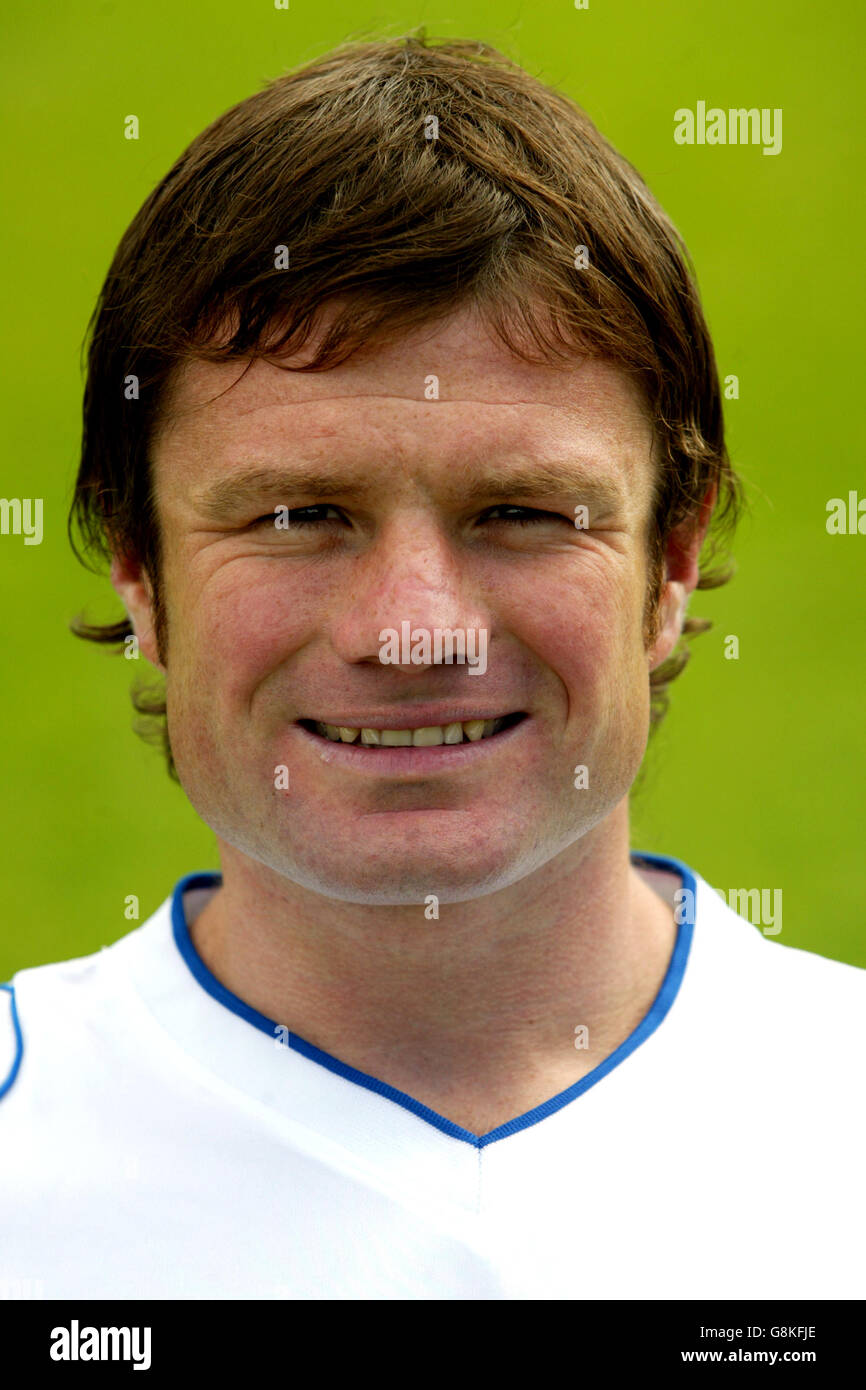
point(333, 162)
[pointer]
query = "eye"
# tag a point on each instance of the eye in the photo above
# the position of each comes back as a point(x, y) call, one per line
point(297, 516)
point(526, 516)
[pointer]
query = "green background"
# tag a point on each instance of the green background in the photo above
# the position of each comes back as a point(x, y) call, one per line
point(755, 777)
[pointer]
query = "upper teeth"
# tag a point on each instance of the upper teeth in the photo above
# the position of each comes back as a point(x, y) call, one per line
point(472, 729)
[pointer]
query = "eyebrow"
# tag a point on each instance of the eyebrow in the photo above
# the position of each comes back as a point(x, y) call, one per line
point(538, 479)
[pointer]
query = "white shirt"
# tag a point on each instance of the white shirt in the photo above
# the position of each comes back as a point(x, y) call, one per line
point(159, 1140)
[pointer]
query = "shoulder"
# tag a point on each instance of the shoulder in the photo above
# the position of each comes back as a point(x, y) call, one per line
point(730, 941)
point(53, 1014)
point(775, 1007)
point(731, 947)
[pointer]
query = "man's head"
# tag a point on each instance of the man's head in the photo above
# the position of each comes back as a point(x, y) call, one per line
point(395, 214)
point(453, 514)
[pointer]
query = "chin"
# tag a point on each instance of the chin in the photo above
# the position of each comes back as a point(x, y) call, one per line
point(405, 879)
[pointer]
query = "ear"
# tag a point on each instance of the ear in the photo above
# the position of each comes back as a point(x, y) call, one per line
point(681, 577)
point(132, 584)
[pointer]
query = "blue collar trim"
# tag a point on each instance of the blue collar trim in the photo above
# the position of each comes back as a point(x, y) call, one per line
point(9, 1082)
point(657, 1012)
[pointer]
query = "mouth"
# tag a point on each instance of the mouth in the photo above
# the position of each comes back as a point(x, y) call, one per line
point(450, 734)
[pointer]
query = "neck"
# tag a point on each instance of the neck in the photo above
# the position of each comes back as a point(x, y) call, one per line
point(473, 1014)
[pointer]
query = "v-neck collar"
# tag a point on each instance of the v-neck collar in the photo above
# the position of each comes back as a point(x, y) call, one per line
point(649, 1023)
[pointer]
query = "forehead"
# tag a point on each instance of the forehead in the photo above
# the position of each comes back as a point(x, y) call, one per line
point(439, 393)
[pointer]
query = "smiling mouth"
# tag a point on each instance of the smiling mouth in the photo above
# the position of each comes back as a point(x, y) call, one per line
point(431, 736)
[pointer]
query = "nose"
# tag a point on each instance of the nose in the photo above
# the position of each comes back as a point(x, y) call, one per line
point(412, 572)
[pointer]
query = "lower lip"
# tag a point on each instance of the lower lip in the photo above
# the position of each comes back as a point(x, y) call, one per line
point(411, 761)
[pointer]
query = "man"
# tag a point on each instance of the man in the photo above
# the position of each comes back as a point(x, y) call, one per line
point(403, 435)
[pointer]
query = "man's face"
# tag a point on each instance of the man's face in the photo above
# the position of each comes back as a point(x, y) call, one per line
point(428, 518)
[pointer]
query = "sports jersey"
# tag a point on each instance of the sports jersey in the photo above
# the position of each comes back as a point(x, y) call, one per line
point(160, 1138)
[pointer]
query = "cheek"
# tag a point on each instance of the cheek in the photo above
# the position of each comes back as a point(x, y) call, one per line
point(590, 637)
point(237, 628)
